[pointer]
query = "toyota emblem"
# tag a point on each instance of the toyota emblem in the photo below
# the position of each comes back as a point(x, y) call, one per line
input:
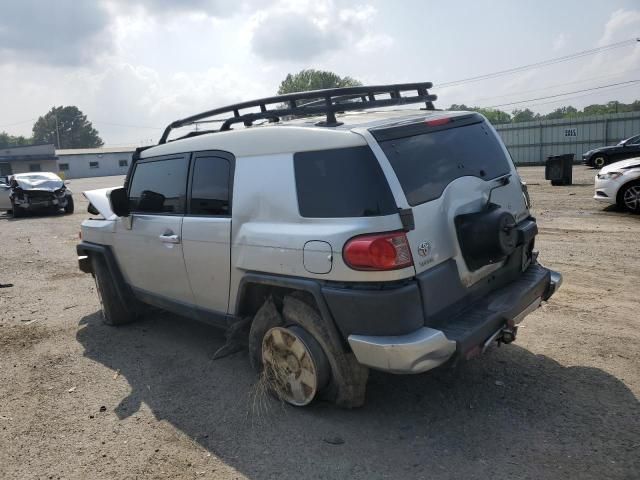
point(424, 249)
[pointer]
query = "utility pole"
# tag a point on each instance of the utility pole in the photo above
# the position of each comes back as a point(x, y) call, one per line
point(57, 130)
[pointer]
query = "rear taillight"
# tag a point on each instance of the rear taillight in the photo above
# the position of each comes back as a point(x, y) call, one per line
point(380, 251)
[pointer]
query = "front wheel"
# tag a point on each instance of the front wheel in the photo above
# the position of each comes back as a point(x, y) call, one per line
point(629, 197)
point(599, 161)
point(113, 308)
point(17, 211)
point(68, 209)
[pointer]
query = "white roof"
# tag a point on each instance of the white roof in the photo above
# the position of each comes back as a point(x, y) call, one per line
point(95, 151)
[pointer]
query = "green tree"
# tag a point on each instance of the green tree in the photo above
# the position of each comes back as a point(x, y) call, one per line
point(494, 116)
point(73, 129)
point(311, 79)
point(7, 140)
point(562, 112)
point(525, 115)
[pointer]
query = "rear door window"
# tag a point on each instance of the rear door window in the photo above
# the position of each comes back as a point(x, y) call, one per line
point(344, 182)
point(159, 186)
point(426, 163)
point(210, 187)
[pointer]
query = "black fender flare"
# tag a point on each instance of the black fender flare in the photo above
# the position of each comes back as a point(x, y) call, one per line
point(89, 249)
point(310, 286)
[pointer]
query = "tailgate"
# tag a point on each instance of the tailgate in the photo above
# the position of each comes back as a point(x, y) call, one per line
point(449, 167)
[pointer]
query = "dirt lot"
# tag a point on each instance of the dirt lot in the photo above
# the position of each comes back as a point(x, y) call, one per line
point(82, 400)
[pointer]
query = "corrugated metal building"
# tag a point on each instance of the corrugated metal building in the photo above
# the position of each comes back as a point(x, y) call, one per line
point(28, 158)
point(533, 142)
point(94, 162)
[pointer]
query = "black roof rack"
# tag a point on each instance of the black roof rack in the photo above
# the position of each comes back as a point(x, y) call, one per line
point(328, 102)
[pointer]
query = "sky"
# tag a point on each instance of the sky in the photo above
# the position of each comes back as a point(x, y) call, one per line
point(133, 66)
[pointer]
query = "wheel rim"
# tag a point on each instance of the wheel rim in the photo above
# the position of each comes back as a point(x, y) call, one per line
point(632, 197)
point(294, 364)
point(599, 162)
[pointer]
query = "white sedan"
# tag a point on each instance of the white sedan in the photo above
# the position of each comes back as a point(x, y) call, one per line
point(619, 183)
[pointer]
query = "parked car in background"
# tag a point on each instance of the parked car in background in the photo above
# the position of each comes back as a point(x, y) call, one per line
point(37, 191)
point(599, 157)
point(619, 183)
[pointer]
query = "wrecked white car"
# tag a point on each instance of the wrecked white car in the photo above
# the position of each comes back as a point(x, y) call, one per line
point(26, 192)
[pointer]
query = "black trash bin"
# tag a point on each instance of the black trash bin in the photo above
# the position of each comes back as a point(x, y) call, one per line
point(559, 169)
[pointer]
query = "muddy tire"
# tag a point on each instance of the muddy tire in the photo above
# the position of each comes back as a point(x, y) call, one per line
point(113, 308)
point(69, 208)
point(299, 327)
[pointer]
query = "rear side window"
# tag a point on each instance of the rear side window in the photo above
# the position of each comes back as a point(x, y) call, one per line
point(210, 187)
point(159, 186)
point(345, 182)
point(425, 164)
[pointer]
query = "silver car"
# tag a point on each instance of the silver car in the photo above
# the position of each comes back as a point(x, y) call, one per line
point(37, 191)
point(345, 238)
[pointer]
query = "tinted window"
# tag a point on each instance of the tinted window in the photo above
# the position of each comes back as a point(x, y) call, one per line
point(63, 166)
point(123, 163)
point(425, 164)
point(346, 182)
point(159, 186)
point(94, 165)
point(210, 186)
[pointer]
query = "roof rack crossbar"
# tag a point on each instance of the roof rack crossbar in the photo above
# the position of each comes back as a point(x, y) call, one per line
point(329, 102)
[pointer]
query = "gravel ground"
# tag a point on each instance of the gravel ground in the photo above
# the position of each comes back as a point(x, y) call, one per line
point(80, 400)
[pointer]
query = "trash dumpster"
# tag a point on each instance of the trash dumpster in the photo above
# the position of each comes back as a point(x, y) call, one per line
point(559, 169)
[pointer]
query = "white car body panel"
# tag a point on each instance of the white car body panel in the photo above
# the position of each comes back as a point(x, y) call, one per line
point(630, 170)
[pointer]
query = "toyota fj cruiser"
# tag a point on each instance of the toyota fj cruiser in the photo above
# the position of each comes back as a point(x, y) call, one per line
point(373, 238)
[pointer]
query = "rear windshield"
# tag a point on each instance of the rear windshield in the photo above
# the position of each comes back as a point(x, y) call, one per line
point(425, 164)
point(344, 182)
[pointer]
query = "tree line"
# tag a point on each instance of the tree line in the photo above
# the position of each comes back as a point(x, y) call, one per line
point(526, 115)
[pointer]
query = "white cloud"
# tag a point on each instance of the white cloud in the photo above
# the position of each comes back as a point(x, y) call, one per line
point(560, 41)
point(303, 30)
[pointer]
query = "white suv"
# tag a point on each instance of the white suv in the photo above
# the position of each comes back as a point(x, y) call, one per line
point(388, 239)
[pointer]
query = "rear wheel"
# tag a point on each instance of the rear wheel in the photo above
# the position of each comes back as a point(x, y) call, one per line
point(113, 308)
point(599, 161)
point(292, 363)
point(629, 197)
point(295, 366)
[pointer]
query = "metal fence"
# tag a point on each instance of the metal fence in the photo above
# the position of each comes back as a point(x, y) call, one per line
point(533, 142)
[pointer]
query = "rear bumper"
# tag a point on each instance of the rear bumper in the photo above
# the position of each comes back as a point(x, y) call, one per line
point(466, 334)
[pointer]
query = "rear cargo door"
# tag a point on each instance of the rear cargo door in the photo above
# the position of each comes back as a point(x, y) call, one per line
point(447, 167)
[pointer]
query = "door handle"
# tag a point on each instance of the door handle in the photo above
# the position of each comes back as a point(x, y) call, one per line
point(169, 238)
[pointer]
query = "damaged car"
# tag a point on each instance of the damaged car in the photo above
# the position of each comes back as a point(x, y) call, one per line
point(28, 192)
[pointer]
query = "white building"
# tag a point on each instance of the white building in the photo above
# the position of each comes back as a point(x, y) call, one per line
point(94, 162)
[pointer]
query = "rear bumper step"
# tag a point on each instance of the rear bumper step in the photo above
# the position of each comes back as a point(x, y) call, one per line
point(463, 335)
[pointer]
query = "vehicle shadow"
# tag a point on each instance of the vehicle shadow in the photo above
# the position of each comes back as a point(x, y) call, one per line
point(510, 414)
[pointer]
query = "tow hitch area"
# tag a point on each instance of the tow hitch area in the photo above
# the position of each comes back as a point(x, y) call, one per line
point(506, 335)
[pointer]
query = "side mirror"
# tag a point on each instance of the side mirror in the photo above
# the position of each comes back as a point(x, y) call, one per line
point(119, 202)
